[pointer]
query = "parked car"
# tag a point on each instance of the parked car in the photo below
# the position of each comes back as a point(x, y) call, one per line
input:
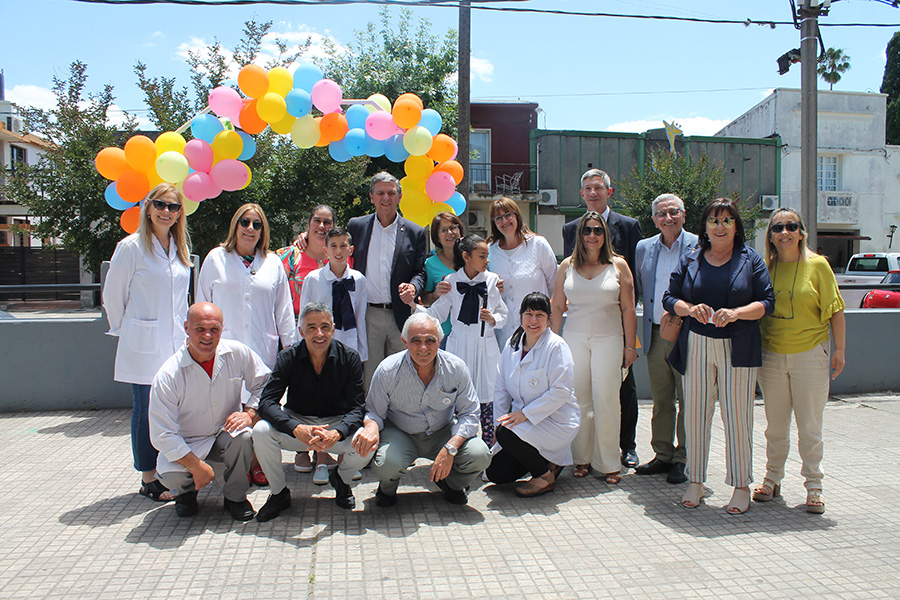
point(866, 267)
point(884, 298)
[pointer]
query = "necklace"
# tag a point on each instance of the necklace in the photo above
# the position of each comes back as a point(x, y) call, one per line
point(791, 293)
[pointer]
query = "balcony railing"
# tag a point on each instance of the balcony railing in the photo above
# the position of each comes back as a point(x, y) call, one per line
point(501, 179)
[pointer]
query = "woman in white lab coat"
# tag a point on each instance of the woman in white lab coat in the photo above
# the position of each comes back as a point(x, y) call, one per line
point(534, 400)
point(145, 298)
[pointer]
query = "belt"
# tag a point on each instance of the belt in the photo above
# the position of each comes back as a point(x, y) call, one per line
point(384, 305)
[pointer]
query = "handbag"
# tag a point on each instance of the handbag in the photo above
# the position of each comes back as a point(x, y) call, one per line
point(670, 327)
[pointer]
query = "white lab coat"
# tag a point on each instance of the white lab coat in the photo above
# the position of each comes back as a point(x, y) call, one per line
point(541, 386)
point(317, 288)
point(188, 408)
point(255, 300)
point(145, 298)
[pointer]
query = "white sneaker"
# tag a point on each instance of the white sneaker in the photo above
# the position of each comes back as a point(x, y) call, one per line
point(357, 476)
point(302, 463)
point(321, 476)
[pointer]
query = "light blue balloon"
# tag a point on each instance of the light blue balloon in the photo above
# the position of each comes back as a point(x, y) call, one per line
point(432, 121)
point(299, 102)
point(114, 199)
point(206, 127)
point(355, 141)
point(375, 148)
point(394, 149)
point(306, 76)
point(457, 202)
point(356, 116)
point(338, 151)
point(249, 146)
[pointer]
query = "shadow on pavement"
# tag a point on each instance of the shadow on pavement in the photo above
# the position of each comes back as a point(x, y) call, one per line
point(91, 423)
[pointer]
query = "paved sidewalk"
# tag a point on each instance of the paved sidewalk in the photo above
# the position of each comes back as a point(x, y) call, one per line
point(74, 527)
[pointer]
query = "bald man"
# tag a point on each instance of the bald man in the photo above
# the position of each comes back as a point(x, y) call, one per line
point(197, 417)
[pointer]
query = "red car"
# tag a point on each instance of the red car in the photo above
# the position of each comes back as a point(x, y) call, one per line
point(884, 298)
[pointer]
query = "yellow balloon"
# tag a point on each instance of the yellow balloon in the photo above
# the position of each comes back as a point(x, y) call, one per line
point(417, 140)
point(271, 108)
point(280, 81)
point(418, 167)
point(284, 125)
point(381, 100)
point(249, 177)
point(190, 207)
point(305, 132)
point(409, 184)
point(227, 144)
point(153, 177)
point(170, 141)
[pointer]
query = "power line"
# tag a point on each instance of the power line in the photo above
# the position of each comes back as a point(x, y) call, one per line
point(633, 93)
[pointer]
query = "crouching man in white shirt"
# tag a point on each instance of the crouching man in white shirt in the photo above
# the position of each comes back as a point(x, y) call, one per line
point(197, 418)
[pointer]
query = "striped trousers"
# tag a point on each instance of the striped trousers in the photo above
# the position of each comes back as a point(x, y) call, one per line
point(709, 377)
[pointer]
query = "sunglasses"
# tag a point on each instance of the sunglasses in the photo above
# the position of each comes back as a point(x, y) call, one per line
point(596, 230)
point(257, 225)
point(726, 221)
point(790, 226)
point(173, 207)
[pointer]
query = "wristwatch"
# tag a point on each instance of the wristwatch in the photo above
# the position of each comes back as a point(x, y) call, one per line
point(451, 448)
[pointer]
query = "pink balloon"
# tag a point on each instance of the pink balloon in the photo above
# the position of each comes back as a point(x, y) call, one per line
point(225, 101)
point(198, 186)
point(380, 125)
point(326, 96)
point(440, 186)
point(231, 174)
point(199, 155)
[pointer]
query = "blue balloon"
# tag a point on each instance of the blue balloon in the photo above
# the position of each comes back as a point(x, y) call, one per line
point(432, 121)
point(306, 76)
point(299, 102)
point(206, 127)
point(375, 148)
point(114, 199)
point(338, 152)
point(249, 146)
point(457, 202)
point(394, 149)
point(356, 116)
point(355, 141)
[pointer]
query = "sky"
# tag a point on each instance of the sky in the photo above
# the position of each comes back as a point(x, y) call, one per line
point(586, 73)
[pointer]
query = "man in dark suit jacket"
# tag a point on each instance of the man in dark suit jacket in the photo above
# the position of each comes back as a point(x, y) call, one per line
point(390, 251)
point(625, 232)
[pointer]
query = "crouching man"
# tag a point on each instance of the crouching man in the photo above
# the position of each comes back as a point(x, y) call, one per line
point(422, 403)
point(324, 409)
point(196, 416)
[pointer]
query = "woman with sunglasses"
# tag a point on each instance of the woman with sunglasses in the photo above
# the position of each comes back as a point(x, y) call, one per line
point(601, 330)
point(523, 260)
point(794, 376)
point(724, 287)
point(145, 297)
point(249, 284)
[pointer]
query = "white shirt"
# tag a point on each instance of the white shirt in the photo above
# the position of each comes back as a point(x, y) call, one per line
point(380, 259)
point(666, 263)
point(188, 408)
point(317, 288)
point(255, 300)
point(145, 298)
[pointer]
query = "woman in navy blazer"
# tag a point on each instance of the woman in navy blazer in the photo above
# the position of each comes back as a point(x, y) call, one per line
point(722, 288)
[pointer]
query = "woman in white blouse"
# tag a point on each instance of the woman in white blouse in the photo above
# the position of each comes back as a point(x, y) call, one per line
point(534, 398)
point(145, 298)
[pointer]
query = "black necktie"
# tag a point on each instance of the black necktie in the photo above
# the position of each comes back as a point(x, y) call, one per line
point(341, 305)
point(471, 307)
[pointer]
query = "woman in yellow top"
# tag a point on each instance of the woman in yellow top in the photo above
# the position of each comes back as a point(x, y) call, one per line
point(795, 339)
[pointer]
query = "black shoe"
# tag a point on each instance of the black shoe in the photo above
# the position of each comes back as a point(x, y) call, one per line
point(274, 505)
point(654, 467)
point(186, 504)
point(240, 511)
point(629, 459)
point(676, 473)
point(452, 496)
point(343, 494)
point(384, 500)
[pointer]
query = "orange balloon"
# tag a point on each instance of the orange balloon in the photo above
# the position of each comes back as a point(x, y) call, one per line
point(140, 152)
point(406, 113)
point(254, 82)
point(111, 163)
point(454, 168)
point(250, 121)
point(442, 148)
point(412, 97)
point(130, 219)
point(153, 178)
point(132, 186)
point(323, 139)
point(334, 126)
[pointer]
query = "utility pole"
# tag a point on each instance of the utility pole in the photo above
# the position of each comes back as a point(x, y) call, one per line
point(464, 116)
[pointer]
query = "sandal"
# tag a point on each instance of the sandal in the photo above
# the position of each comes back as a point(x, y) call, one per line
point(740, 501)
point(537, 486)
point(815, 502)
point(582, 470)
point(154, 490)
point(693, 497)
point(613, 478)
point(555, 469)
point(767, 490)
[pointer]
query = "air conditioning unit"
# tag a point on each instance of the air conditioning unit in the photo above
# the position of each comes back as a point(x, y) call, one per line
point(548, 198)
point(16, 124)
point(477, 219)
point(769, 202)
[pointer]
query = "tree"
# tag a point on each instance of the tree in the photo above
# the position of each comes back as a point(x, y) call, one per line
point(890, 85)
point(832, 64)
point(696, 183)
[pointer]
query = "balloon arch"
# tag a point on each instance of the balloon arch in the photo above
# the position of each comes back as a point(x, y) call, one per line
point(212, 161)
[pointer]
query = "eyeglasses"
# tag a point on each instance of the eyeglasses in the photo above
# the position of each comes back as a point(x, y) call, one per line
point(596, 230)
point(257, 225)
point(672, 212)
point(445, 230)
point(726, 221)
point(505, 216)
point(790, 226)
point(173, 207)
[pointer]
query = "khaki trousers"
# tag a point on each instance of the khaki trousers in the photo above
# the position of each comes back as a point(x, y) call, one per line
point(667, 423)
point(383, 339)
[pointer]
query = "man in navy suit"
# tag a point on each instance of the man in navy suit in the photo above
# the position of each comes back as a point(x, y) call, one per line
point(625, 232)
point(390, 252)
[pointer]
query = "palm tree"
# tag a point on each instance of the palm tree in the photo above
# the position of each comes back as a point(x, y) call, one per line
point(832, 64)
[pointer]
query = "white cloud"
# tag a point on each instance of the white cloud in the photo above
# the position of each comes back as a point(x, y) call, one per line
point(33, 96)
point(482, 68)
point(690, 125)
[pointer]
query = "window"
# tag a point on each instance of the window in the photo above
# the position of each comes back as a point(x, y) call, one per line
point(827, 173)
point(480, 162)
point(16, 157)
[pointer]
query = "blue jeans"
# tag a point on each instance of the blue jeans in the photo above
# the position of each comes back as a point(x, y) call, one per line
point(143, 451)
